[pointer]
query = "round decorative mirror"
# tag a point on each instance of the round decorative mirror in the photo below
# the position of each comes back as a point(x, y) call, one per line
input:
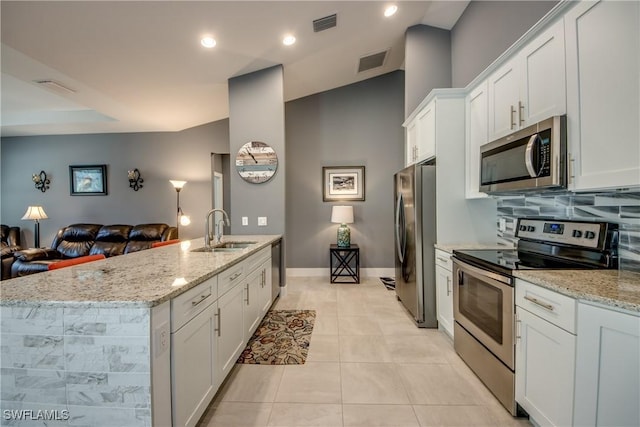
point(256, 162)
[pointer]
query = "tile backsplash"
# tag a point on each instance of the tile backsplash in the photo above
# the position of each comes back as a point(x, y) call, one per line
point(620, 208)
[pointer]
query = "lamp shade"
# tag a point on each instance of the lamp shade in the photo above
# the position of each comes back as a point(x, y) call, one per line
point(35, 213)
point(177, 184)
point(342, 214)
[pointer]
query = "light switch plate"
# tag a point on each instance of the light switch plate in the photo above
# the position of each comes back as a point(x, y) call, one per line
point(262, 221)
point(245, 220)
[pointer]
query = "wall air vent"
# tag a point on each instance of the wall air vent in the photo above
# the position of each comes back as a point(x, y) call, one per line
point(325, 23)
point(372, 61)
point(54, 86)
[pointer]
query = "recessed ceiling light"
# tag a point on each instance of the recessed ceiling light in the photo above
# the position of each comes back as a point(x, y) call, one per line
point(391, 10)
point(288, 40)
point(208, 42)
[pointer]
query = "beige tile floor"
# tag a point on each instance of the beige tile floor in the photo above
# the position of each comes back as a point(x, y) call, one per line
point(368, 365)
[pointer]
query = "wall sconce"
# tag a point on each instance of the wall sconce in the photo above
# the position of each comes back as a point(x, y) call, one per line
point(182, 219)
point(135, 180)
point(41, 181)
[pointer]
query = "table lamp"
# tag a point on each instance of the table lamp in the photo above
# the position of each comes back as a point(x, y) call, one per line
point(35, 213)
point(343, 215)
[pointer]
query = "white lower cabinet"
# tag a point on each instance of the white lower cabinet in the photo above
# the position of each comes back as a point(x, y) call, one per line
point(545, 354)
point(194, 378)
point(607, 368)
point(253, 304)
point(230, 329)
point(444, 291)
point(210, 326)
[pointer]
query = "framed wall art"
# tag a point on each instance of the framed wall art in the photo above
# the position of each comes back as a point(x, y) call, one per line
point(342, 183)
point(88, 180)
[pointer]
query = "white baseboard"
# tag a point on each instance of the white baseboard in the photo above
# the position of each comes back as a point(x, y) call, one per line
point(320, 272)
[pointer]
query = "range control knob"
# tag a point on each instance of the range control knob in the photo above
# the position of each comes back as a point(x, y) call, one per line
point(577, 234)
point(531, 228)
point(523, 228)
point(589, 235)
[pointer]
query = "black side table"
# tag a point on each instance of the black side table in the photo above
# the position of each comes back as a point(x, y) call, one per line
point(345, 264)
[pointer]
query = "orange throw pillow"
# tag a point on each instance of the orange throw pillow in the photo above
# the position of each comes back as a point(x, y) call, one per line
point(165, 243)
point(74, 261)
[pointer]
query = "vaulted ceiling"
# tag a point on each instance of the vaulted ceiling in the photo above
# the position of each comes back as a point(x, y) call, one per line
point(137, 66)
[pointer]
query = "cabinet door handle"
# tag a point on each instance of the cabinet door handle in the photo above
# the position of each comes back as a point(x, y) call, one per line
point(448, 285)
point(538, 302)
point(517, 328)
point(247, 294)
point(521, 112)
point(572, 165)
point(219, 321)
point(202, 298)
point(512, 113)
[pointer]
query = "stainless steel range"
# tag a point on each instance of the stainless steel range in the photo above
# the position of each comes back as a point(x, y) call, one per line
point(483, 292)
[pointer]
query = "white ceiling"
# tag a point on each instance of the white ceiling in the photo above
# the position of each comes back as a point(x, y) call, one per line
point(139, 66)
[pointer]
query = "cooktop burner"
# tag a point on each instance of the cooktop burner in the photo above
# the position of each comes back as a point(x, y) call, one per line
point(551, 244)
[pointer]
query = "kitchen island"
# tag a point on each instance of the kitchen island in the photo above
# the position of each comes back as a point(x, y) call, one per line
point(90, 345)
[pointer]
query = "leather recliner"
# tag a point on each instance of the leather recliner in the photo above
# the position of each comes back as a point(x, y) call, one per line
point(78, 240)
point(9, 244)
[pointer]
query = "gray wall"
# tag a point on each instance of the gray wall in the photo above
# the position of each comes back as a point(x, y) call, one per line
point(355, 125)
point(427, 58)
point(160, 156)
point(485, 30)
point(256, 113)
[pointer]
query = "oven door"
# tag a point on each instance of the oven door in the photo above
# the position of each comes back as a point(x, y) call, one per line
point(483, 303)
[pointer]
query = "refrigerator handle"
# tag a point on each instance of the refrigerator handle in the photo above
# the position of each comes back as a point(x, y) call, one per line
point(400, 228)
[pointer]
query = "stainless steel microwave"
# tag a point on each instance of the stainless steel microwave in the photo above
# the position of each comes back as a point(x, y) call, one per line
point(533, 158)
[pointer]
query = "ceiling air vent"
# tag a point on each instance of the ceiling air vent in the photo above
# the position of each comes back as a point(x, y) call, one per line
point(372, 61)
point(325, 23)
point(54, 86)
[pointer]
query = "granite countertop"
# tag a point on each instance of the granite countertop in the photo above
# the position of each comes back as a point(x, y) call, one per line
point(607, 287)
point(144, 279)
point(450, 247)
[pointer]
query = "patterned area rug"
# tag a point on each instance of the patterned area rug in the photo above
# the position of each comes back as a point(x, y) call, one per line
point(281, 339)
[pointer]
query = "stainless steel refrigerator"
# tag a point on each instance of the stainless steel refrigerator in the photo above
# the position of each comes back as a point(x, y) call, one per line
point(415, 235)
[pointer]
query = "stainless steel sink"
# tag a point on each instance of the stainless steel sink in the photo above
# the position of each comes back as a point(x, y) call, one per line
point(234, 245)
point(225, 247)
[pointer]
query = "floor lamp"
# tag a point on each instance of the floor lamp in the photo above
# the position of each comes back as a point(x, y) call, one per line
point(35, 213)
point(181, 218)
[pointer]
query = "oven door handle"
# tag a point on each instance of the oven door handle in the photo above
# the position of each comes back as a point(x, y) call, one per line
point(479, 273)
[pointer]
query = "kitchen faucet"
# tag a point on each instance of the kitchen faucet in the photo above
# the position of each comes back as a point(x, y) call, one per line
point(218, 233)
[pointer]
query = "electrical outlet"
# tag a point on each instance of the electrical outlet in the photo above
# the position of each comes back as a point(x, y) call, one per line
point(502, 225)
point(262, 221)
point(162, 338)
point(245, 220)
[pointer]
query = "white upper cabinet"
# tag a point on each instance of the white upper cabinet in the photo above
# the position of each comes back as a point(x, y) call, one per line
point(603, 87)
point(476, 135)
point(529, 87)
point(411, 144)
point(421, 135)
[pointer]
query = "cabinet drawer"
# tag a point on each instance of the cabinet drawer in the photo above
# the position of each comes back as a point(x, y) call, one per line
point(443, 259)
point(256, 260)
point(551, 306)
point(187, 305)
point(230, 277)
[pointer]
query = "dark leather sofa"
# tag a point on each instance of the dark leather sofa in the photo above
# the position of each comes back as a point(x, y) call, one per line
point(9, 243)
point(78, 240)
